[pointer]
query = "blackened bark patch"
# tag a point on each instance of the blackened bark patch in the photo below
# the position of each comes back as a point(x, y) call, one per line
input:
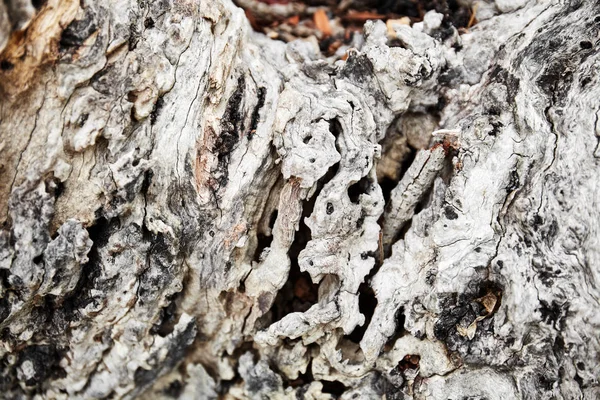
point(448, 321)
point(503, 77)
point(133, 36)
point(176, 348)
point(358, 68)
point(77, 32)
point(4, 309)
point(449, 76)
point(156, 110)
point(496, 128)
point(143, 376)
point(450, 213)
point(99, 233)
point(148, 23)
point(232, 126)
point(462, 310)
point(553, 313)
point(513, 181)
point(41, 362)
point(556, 79)
point(262, 384)
point(261, 94)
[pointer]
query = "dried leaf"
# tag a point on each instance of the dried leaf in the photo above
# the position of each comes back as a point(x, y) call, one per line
point(362, 16)
point(391, 22)
point(293, 21)
point(322, 22)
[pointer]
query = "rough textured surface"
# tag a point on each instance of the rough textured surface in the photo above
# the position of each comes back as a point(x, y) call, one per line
point(191, 210)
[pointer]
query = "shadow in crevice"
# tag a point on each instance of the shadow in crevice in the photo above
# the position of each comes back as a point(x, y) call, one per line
point(364, 185)
point(400, 319)
point(263, 239)
point(335, 388)
point(299, 293)
point(366, 304)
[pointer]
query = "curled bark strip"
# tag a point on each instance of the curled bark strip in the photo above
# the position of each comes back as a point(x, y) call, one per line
point(410, 190)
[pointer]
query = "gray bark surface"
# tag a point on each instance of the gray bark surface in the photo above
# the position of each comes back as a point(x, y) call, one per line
point(190, 209)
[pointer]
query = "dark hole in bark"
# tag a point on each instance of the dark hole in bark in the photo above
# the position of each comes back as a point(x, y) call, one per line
point(99, 233)
point(4, 274)
point(579, 380)
point(335, 127)
point(410, 361)
point(264, 240)
point(174, 389)
point(224, 386)
point(168, 318)
point(148, 23)
point(335, 388)
point(387, 185)
point(366, 304)
point(59, 188)
point(6, 65)
point(38, 3)
point(299, 293)
point(330, 209)
point(360, 187)
point(273, 219)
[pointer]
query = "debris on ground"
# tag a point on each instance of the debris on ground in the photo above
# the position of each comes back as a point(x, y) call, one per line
point(335, 22)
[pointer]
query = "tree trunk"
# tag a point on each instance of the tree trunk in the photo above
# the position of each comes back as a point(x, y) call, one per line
point(193, 210)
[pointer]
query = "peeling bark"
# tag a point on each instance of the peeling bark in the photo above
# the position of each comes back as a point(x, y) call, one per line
point(192, 210)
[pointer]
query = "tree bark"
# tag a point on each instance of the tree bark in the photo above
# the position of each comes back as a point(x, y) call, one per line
point(190, 209)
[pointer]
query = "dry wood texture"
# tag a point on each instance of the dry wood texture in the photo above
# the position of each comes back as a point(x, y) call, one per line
point(190, 209)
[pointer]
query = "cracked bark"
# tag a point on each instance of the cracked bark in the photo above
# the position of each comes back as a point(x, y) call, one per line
point(192, 210)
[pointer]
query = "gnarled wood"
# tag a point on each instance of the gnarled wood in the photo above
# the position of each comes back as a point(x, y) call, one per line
point(193, 210)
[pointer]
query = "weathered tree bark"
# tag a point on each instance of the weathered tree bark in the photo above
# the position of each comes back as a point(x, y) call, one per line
point(193, 210)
